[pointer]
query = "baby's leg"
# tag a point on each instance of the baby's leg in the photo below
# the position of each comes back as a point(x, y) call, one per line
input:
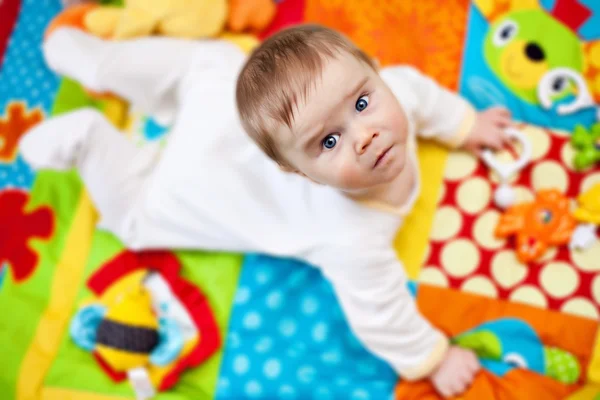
point(113, 169)
point(147, 72)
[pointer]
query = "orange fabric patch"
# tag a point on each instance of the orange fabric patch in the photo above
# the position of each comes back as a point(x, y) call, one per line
point(466, 311)
point(515, 385)
point(573, 334)
point(421, 33)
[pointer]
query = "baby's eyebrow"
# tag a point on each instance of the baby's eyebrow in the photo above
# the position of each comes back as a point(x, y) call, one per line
point(316, 133)
point(356, 88)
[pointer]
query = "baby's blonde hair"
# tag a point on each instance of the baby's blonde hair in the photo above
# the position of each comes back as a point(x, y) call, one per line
point(279, 73)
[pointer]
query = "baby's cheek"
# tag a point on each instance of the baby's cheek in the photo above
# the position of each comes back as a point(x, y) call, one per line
point(398, 123)
point(349, 177)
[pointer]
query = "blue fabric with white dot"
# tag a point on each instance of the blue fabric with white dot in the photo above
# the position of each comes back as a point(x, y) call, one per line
point(24, 77)
point(288, 339)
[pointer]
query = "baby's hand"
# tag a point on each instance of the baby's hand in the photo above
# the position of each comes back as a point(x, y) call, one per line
point(488, 130)
point(456, 372)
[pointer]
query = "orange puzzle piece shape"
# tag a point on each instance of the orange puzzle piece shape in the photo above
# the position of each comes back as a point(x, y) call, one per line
point(545, 222)
point(17, 121)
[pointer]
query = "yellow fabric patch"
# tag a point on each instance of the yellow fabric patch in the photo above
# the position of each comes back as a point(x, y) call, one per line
point(54, 321)
point(594, 367)
point(412, 239)
point(589, 392)
point(116, 110)
point(66, 394)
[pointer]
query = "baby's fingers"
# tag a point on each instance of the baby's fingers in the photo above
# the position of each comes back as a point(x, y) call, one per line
point(474, 149)
point(499, 110)
point(495, 139)
point(459, 386)
point(473, 364)
point(503, 121)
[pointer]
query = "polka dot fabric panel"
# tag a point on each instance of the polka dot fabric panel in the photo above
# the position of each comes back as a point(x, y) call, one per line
point(288, 340)
point(464, 253)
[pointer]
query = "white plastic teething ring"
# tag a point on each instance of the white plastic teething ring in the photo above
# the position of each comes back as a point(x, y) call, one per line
point(545, 90)
point(505, 196)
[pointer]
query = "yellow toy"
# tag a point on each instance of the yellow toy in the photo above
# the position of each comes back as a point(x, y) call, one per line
point(250, 15)
point(588, 215)
point(145, 323)
point(189, 19)
point(131, 316)
point(589, 206)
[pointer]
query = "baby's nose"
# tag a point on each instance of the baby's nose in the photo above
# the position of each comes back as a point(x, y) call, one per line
point(364, 141)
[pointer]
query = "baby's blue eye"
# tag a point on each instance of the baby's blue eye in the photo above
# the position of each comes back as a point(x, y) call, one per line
point(362, 103)
point(331, 141)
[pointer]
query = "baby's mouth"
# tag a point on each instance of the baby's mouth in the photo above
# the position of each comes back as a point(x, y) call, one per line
point(382, 156)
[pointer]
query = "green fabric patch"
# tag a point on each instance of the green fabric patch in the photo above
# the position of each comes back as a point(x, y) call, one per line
point(70, 96)
point(561, 365)
point(23, 303)
point(112, 2)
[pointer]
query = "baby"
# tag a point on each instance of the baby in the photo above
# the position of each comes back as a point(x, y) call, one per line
point(319, 164)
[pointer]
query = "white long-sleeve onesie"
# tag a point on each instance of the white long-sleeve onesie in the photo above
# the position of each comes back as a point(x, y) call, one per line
point(212, 188)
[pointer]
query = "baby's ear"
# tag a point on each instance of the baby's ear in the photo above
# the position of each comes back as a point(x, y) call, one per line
point(293, 170)
point(287, 168)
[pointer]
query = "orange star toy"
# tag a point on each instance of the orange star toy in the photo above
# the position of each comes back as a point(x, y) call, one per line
point(544, 222)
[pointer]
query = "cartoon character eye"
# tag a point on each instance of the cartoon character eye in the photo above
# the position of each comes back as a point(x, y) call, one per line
point(546, 216)
point(505, 32)
point(516, 360)
point(560, 85)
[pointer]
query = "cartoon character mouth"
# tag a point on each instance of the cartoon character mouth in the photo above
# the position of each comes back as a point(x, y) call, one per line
point(512, 72)
point(519, 71)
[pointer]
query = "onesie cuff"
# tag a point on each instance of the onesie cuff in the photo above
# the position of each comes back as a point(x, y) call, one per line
point(464, 129)
point(430, 364)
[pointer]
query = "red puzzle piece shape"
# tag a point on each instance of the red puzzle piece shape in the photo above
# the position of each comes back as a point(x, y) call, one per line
point(18, 227)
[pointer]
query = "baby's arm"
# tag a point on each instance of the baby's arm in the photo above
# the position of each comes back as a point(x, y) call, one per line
point(147, 72)
point(444, 115)
point(371, 288)
point(436, 112)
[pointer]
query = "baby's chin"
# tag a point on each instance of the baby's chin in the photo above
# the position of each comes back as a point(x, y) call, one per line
point(370, 181)
point(397, 166)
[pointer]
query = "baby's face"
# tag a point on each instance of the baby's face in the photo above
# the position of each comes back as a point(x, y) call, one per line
point(350, 133)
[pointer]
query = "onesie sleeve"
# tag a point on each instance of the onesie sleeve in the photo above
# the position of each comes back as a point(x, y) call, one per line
point(371, 287)
point(435, 112)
